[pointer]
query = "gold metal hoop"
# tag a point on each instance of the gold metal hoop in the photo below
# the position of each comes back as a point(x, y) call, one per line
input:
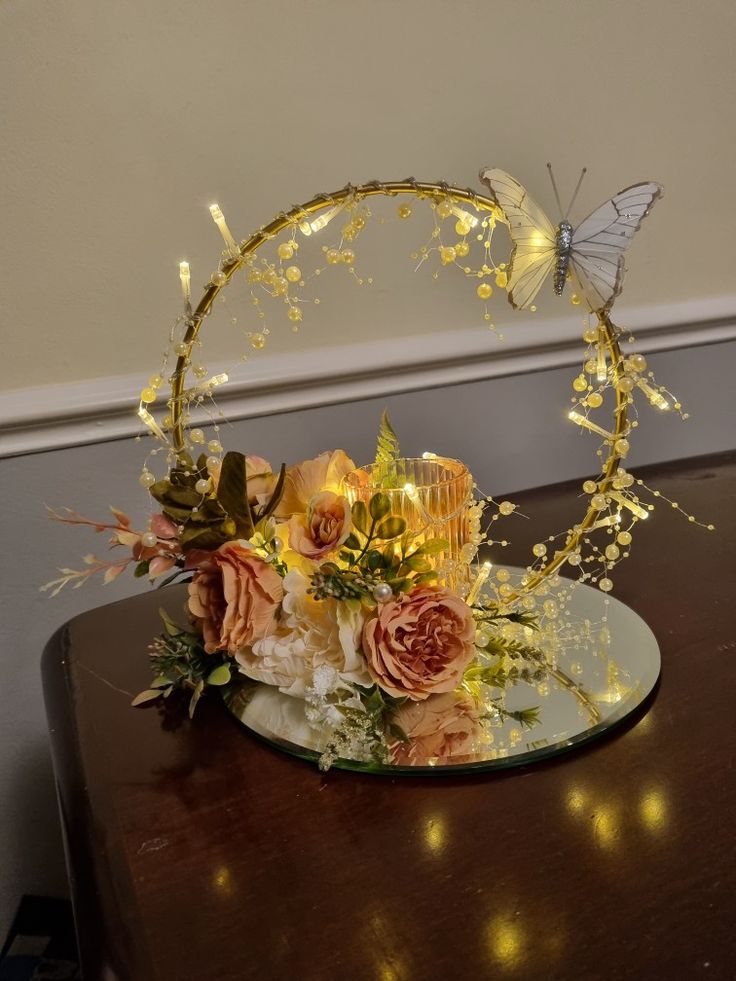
point(438, 191)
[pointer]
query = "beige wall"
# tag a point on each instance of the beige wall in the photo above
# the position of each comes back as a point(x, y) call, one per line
point(123, 120)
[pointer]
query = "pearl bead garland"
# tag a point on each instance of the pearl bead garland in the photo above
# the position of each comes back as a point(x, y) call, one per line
point(602, 365)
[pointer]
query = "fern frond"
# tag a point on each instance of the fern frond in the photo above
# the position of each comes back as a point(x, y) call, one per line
point(387, 446)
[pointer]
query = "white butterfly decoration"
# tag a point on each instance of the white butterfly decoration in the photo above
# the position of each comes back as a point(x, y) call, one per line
point(593, 252)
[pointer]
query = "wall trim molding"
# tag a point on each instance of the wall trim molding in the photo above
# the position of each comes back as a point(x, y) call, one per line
point(51, 417)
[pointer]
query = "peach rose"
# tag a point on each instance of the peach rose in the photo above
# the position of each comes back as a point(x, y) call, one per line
point(443, 727)
point(233, 596)
point(420, 643)
point(323, 528)
point(309, 477)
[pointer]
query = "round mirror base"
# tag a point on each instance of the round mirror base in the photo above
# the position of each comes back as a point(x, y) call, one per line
point(595, 665)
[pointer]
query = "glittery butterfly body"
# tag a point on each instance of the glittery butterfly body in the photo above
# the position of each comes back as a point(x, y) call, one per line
point(593, 252)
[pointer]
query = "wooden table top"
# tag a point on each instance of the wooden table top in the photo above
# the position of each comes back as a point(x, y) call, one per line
point(198, 852)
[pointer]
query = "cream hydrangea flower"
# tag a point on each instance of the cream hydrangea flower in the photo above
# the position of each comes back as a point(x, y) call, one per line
point(308, 633)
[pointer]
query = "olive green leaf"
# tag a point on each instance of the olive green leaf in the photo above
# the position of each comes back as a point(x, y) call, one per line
point(146, 696)
point(202, 537)
point(275, 498)
point(360, 517)
point(171, 628)
point(418, 563)
point(232, 493)
point(375, 560)
point(391, 527)
point(379, 506)
point(433, 546)
point(220, 676)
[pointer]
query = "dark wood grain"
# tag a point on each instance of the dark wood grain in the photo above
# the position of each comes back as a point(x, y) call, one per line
point(197, 852)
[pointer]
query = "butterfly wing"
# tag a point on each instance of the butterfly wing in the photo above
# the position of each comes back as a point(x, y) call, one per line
point(532, 233)
point(600, 241)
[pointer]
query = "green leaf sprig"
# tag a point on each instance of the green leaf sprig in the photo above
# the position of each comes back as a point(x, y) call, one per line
point(380, 549)
point(387, 452)
point(180, 663)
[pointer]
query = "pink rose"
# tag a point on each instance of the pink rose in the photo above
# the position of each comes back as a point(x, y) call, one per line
point(234, 596)
point(420, 643)
point(309, 477)
point(323, 528)
point(443, 727)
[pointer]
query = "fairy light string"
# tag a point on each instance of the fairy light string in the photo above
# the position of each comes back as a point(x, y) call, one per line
point(613, 506)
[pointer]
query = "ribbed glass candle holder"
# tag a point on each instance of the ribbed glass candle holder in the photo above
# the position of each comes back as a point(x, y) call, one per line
point(433, 496)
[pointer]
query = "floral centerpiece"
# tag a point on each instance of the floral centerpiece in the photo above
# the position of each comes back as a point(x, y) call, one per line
point(362, 612)
point(356, 593)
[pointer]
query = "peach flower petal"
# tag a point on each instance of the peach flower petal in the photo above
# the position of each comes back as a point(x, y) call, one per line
point(234, 596)
point(420, 644)
point(324, 527)
point(303, 481)
point(443, 727)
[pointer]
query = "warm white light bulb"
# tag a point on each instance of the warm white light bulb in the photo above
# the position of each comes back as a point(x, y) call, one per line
point(186, 281)
point(653, 395)
point(219, 220)
point(214, 381)
point(587, 424)
point(321, 221)
point(145, 416)
point(464, 216)
point(480, 581)
point(624, 501)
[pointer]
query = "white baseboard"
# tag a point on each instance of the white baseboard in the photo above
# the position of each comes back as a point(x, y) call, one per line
point(51, 417)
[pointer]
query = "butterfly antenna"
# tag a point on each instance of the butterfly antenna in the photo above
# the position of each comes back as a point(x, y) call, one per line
point(554, 187)
point(583, 172)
